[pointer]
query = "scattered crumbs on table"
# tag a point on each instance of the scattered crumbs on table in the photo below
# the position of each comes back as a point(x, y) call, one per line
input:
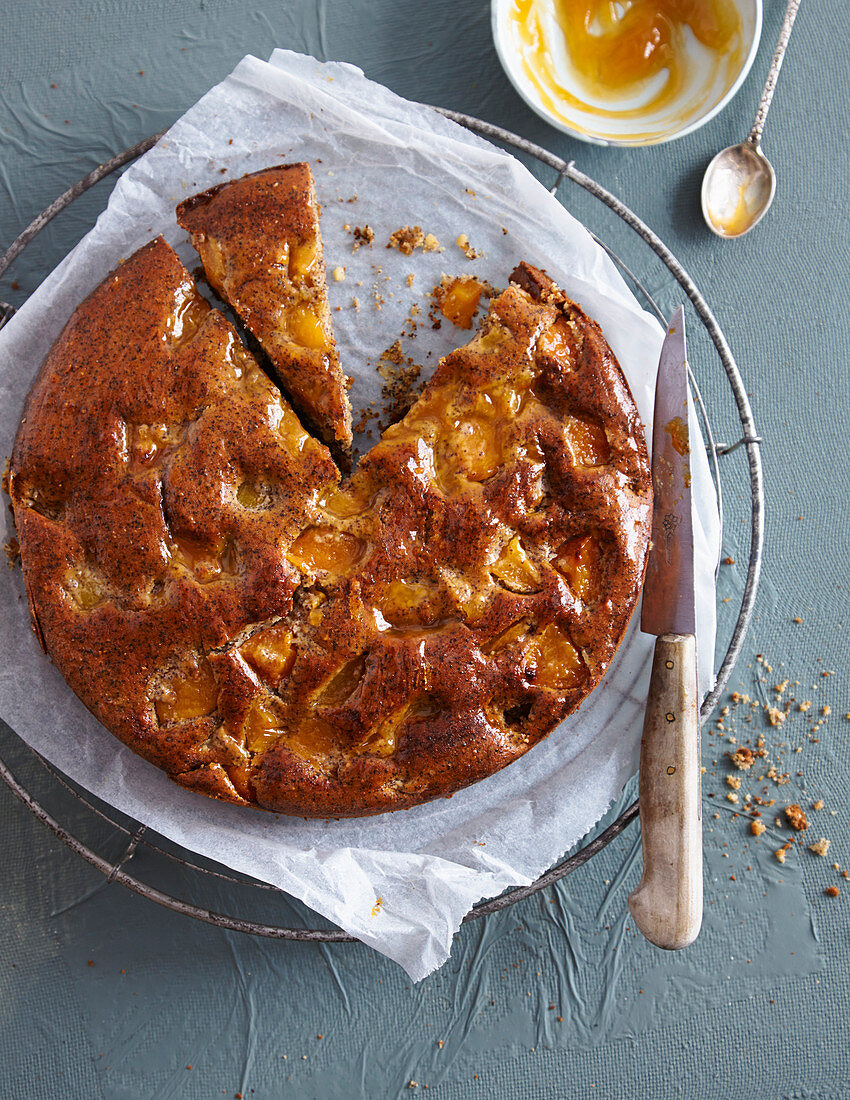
point(755, 734)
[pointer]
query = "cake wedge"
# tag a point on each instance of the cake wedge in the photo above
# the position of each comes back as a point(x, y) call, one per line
point(260, 243)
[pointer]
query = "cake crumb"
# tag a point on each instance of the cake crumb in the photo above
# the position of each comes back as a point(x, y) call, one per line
point(781, 852)
point(757, 827)
point(378, 906)
point(339, 274)
point(466, 248)
point(796, 817)
point(775, 716)
point(407, 238)
point(818, 805)
point(734, 781)
point(820, 847)
point(363, 234)
point(832, 891)
point(742, 758)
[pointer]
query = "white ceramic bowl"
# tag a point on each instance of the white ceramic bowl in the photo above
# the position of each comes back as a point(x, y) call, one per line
point(701, 99)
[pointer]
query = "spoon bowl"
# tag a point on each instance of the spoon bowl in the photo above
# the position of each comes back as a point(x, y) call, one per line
point(737, 189)
point(739, 183)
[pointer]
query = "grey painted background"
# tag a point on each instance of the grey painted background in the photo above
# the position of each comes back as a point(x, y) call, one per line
point(106, 995)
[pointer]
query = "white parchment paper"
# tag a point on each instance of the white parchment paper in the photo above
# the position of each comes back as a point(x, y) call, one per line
point(406, 165)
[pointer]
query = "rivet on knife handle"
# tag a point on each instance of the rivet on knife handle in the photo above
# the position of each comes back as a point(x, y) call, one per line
point(667, 904)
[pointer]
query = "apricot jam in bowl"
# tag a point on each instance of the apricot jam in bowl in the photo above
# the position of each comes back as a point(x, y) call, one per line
point(626, 72)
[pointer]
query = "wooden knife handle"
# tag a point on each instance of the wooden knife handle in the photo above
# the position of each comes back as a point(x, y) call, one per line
point(667, 904)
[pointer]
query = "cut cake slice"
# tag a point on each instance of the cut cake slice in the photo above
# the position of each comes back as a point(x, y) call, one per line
point(259, 241)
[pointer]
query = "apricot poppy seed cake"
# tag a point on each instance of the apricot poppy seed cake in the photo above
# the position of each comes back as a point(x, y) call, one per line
point(272, 634)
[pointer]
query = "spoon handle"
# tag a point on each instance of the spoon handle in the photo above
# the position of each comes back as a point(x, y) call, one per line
point(772, 76)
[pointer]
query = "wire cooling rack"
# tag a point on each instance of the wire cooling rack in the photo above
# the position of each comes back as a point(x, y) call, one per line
point(58, 787)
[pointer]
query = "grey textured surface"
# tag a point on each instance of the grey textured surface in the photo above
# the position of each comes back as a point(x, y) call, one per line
point(759, 1006)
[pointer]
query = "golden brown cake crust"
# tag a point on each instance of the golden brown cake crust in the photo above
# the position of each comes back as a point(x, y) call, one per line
point(269, 637)
point(260, 243)
point(146, 417)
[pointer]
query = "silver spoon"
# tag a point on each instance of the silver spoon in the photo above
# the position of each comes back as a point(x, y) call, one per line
point(739, 183)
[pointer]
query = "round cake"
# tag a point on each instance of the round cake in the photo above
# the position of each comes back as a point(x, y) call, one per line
point(272, 634)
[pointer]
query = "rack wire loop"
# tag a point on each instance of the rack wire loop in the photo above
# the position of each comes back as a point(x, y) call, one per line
point(139, 835)
point(128, 852)
point(745, 440)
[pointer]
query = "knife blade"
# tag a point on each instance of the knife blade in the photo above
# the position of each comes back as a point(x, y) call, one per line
point(668, 591)
point(667, 904)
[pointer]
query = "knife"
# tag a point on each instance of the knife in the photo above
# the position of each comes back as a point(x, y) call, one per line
point(667, 904)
